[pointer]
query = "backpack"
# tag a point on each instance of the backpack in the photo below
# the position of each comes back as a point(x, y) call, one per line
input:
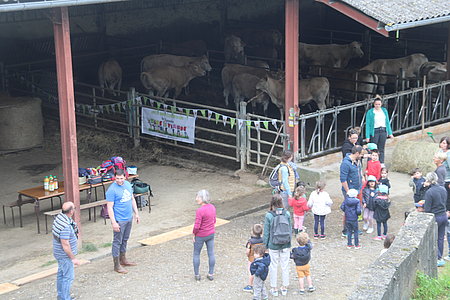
point(116, 162)
point(274, 178)
point(280, 231)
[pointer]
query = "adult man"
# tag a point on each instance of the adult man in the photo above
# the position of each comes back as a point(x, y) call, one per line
point(65, 248)
point(121, 205)
point(350, 173)
point(286, 174)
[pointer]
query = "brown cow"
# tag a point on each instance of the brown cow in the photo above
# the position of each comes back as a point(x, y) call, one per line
point(234, 49)
point(244, 87)
point(162, 60)
point(163, 79)
point(435, 71)
point(409, 64)
point(331, 55)
point(231, 70)
point(110, 76)
point(315, 89)
point(352, 86)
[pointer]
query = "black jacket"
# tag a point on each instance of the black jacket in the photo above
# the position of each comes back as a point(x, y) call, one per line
point(435, 200)
point(381, 211)
point(347, 147)
point(260, 267)
point(301, 255)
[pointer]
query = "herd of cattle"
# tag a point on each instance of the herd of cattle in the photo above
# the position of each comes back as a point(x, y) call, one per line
point(245, 79)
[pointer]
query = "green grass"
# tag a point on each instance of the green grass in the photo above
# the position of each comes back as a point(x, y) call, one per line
point(105, 245)
point(433, 288)
point(88, 247)
point(50, 262)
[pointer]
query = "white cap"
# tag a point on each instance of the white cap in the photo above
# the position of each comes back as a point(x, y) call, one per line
point(352, 193)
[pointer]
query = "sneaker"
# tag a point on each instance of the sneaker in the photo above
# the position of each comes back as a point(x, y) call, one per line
point(311, 289)
point(316, 236)
point(198, 278)
point(358, 247)
point(248, 288)
point(365, 227)
point(370, 230)
point(378, 238)
point(323, 236)
point(383, 236)
point(283, 291)
point(274, 292)
point(447, 257)
point(301, 292)
point(210, 277)
point(440, 263)
point(344, 235)
point(350, 246)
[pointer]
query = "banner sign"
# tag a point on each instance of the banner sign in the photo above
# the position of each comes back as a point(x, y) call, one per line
point(168, 125)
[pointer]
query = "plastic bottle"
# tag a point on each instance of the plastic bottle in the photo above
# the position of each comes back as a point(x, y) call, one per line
point(55, 183)
point(51, 186)
point(46, 183)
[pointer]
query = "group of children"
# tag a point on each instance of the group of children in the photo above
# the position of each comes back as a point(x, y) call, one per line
point(259, 262)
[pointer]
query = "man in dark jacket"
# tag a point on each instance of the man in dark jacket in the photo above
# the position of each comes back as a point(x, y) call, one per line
point(352, 209)
point(350, 174)
point(260, 268)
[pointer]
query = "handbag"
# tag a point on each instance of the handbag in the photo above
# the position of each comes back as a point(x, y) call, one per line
point(139, 187)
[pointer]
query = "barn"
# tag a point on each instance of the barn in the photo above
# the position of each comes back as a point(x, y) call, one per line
point(84, 34)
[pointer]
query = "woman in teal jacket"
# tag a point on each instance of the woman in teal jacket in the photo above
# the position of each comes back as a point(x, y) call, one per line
point(378, 126)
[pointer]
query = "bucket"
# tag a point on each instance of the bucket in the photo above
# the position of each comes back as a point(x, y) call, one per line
point(132, 170)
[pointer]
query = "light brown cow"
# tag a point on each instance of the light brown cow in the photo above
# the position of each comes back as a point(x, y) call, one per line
point(244, 87)
point(163, 79)
point(409, 64)
point(316, 89)
point(351, 86)
point(331, 55)
point(110, 76)
point(162, 60)
point(234, 49)
point(231, 70)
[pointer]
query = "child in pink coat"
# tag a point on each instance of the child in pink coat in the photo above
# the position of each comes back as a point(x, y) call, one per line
point(300, 206)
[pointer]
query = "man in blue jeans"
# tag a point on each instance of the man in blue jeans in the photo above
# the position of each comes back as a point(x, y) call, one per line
point(121, 205)
point(350, 174)
point(65, 248)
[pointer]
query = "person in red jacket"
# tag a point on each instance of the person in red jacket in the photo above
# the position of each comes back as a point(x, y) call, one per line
point(300, 205)
point(374, 165)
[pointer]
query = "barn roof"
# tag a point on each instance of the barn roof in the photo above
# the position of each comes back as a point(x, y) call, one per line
point(394, 15)
point(20, 5)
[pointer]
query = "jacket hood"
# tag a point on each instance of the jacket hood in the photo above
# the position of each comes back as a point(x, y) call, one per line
point(352, 201)
point(266, 259)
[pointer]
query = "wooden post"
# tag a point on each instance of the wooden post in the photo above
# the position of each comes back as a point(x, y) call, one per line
point(67, 117)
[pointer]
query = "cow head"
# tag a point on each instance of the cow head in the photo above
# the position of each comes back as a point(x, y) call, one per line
point(356, 49)
point(197, 70)
point(205, 63)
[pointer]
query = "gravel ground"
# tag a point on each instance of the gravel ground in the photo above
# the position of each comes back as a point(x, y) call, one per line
point(165, 270)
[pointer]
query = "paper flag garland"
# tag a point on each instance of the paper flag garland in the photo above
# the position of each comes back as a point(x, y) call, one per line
point(225, 118)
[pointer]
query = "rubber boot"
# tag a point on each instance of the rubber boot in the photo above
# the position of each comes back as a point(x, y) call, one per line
point(125, 262)
point(117, 267)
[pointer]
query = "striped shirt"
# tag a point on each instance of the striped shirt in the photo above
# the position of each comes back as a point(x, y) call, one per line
point(63, 229)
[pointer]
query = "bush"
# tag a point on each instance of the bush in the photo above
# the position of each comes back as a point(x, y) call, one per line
point(433, 288)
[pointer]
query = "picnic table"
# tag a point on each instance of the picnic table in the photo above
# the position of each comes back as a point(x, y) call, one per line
point(38, 194)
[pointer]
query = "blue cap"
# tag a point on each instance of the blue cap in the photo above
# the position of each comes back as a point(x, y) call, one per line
point(372, 146)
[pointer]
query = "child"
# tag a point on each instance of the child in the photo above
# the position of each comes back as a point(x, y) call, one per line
point(300, 205)
point(369, 195)
point(260, 268)
point(352, 209)
point(255, 239)
point(320, 204)
point(384, 178)
point(301, 256)
point(419, 206)
point(416, 183)
point(374, 165)
point(387, 243)
point(381, 213)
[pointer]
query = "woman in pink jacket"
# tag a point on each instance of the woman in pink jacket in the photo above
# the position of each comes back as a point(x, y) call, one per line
point(204, 228)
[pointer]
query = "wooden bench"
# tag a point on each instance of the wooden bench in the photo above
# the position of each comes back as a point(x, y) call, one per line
point(82, 207)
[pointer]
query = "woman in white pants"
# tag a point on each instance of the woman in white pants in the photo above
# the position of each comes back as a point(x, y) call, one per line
point(279, 253)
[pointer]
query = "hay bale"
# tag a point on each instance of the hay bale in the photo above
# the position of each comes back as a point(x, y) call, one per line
point(414, 154)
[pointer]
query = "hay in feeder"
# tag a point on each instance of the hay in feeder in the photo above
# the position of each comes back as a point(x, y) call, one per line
point(414, 154)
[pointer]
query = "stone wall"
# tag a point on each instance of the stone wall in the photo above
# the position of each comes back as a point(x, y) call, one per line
point(393, 274)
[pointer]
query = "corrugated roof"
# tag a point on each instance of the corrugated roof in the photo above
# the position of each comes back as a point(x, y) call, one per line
point(392, 12)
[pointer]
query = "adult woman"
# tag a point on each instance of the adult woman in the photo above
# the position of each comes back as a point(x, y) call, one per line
point(279, 253)
point(435, 199)
point(204, 228)
point(444, 146)
point(378, 127)
point(438, 159)
point(352, 140)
